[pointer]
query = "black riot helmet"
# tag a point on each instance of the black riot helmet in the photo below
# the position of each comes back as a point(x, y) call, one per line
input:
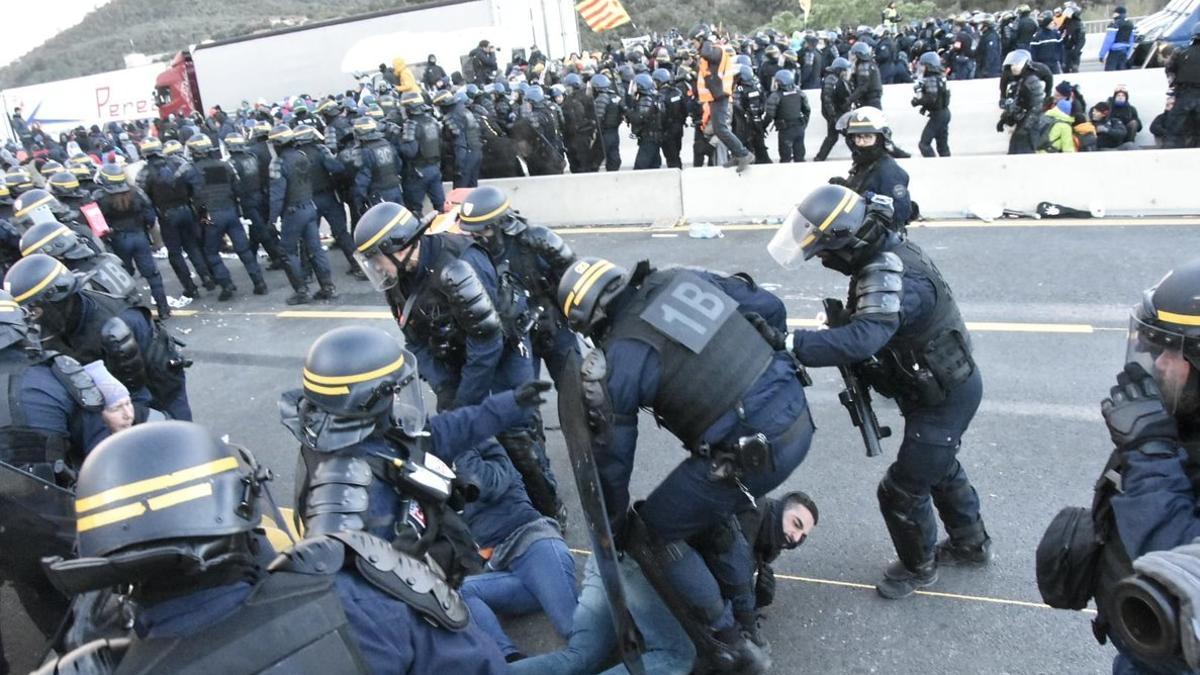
point(65, 184)
point(385, 230)
point(236, 142)
point(366, 129)
point(18, 181)
point(113, 179)
point(281, 135)
point(50, 167)
point(37, 279)
point(55, 240)
point(151, 147)
point(832, 222)
point(200, 146)
point(165, 506)
point(13, 329)
point(261, 131)
point(5, 194)
point(37, 206)
point(306, 133)
point(484, 208)
point(585, 290)
point(362, 372)
point(414, 103)
point(1164, 338)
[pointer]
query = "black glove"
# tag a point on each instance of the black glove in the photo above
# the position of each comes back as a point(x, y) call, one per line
point(532, 394)
point(1000, 126)
point(1135, 414)
point(764, 586)
point(838, 180)
point(777, 340)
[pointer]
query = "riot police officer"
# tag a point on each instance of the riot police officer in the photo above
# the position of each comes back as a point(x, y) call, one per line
point(421, 147)
point(98, 269)
point(610, 111)
point(675, 115)
point(461, 136)
point(467, 324)
point(38, 206)
point(502, 104)
point(214, 185)
point(51, 413)
point(291, 201)
point(788, 110)
point(325, 170)
point(162, 180)
point(904, 328)
point(932, 97)
point(212, 599)
point(866, 85)
point(873, 170)
point(67, 189)
point(91, 326)
point(579, 127)
point(130, 216)
point(748, 113)
point(378, 177)
point(675, 341)
point(835, 102)
point(645, 119)
point(537, 135)
point(535, 257)
point(371, 459)
point(1183, 71)
point(252, 195)
point(1145, 499)
point(1023, 89)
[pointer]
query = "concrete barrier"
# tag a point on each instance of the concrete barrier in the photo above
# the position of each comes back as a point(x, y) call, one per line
point(1144, 182)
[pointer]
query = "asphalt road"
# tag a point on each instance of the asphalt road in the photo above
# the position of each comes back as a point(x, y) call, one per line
point(1048, 307)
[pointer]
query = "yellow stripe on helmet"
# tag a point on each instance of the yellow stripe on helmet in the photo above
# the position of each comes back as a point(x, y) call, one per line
point(354, 379)
point(487, 216)
point(585, 283)
point(1182, 319)
point(62, 229)
point(26, 210)
point(58, 269)
point(141, 487)
point(137, 509)
point(403, 217)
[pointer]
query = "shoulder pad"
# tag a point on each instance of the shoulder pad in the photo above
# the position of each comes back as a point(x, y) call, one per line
point(550, 246)
point(79, 384)
point(412, 581)
point(594, 367)
point(469, 299)
point(878, 284)
point(311, 555)
point(275, 169)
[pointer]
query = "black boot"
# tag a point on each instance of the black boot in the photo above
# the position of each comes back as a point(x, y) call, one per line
point(260, 287)
point(192, 291)
point(966, 546)
point(164, 311)
point(900, 582)
point(751, 626)
point(300, 297)
point(357, 273)
point(739, 655)
point(227, 293)
point(327, 292)
point(209, 282)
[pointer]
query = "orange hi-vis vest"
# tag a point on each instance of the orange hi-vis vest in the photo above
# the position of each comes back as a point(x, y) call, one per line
point(724, 71)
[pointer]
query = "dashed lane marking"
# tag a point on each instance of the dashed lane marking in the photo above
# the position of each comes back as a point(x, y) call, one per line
point(932, 594)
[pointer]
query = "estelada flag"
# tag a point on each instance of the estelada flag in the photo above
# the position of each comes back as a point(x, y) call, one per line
point(602, 15)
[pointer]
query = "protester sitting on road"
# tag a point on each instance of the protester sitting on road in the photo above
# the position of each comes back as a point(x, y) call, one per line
point(1061, 135)
point(1121, 109)
point(1164, 127)
point(1110, 132)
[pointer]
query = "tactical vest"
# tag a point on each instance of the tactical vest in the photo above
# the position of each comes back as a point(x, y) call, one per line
point(164, 188)
point(675, 105)
point(299, 178)
point(424, 313)
point(926, 361)
point(1124, 32)
point(710, 354)
point(216, 191)
point(941, 93)
point(470, 128)
point(429, 140)
point(21, 445)
point(791, 107)
point(321, 179)
point(104, 272)
point(611, 118)
point(649, 125)
point(122, 220)
point(248, 172)
point(290, 623)
point(383, 168)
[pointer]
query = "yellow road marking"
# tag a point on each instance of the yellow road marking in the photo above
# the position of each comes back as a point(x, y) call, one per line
point(332, 314)
point(935, 224)
point(932, 594)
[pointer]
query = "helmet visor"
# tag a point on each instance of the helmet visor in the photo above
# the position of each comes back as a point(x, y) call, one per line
point(795, 239)
point(378, 269)
point(408, 406)
point(1162, 353)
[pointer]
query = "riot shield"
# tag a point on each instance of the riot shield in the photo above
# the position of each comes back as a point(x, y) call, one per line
point(581, 445)
point(37, 519)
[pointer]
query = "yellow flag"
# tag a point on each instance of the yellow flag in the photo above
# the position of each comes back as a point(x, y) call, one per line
point(602, 15)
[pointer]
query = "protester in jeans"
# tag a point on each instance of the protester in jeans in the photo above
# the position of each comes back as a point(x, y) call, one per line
point(529, 566)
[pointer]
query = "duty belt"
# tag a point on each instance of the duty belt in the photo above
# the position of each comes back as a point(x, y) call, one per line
point(753, 452)
point(299, 205)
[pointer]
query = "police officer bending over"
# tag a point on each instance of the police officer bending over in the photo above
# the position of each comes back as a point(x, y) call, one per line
point(91, 326)
point(675, 341)
point(178, 527)
point(467, 324)
point(99, 271)
point(535, 257)
point(905, 329)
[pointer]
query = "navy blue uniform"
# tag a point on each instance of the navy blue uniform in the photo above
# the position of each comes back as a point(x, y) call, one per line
point(326, 168)
point(129, 239)
point(49, 407)
point(391, 636)
point(421, 148)
point(378, 177)
point(884, 177)
point(292, 202)
point(690, 501)
point(160, 178)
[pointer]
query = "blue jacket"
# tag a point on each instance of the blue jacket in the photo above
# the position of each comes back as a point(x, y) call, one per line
point(49, 407)
point(366, 170)
point(1047, 48)
point(503, 504)
point(635, 370)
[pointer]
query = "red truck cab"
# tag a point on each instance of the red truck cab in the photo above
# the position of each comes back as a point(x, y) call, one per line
point(175, 89)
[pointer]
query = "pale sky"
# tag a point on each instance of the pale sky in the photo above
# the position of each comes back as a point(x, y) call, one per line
point(38, 22)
